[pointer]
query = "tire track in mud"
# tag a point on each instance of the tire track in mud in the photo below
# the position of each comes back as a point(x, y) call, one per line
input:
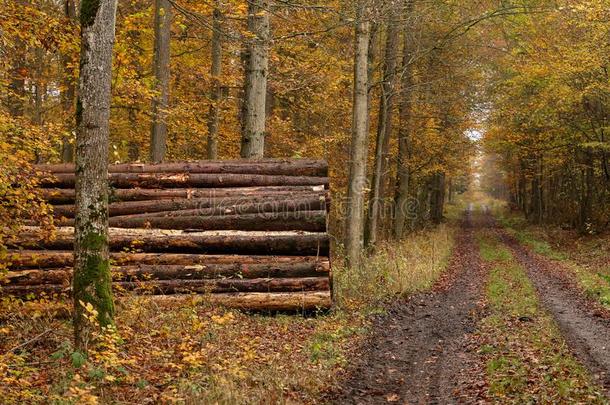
point(584, 325)
point(420, 351)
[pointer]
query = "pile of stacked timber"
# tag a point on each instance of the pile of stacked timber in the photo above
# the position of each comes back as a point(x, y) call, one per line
point(251, 234)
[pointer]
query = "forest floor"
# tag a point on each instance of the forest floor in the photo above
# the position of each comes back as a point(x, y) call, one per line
point(486, 309)
point(189, 351)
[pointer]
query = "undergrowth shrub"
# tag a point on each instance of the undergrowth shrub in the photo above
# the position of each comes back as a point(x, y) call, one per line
point(395, 269)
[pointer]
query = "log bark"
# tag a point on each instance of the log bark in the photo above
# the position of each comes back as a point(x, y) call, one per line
point(143, 272)
point(288, 167)
point(256, 301)
point(240, 204)
point(48, 259)
point(301, 301)
point(65, 196)
point(310, 221)
point(314, 203)
point(155, 240)
point(170, 180)
point(159, 287)
point(36, 277)
point(297, 301)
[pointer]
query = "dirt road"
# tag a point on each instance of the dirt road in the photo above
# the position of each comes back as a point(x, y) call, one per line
point(421, 351)
point(584, 323)
point(418, 351)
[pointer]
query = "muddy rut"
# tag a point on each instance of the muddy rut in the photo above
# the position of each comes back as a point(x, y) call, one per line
point(419, 350)
point(584, 323)
point(422, 351)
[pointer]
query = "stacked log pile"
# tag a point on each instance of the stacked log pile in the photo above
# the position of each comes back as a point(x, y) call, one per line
point(252, 234)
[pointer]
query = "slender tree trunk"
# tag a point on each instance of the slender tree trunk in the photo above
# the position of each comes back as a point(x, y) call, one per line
point(256, 61)
point(437, 199)
point(158, 134)
point(537, 184)
point(450, 190)
point(534, 199)
point(17, 84)
point(372, 57)
point(133, 147)
point(92, 279)
point(217, 90)
point(586, 204)
point(522, 188)
point(401, 199)
point(422, 208)
point(39, 90)
point(67, 146)
point(384, 128)
point(358, 152)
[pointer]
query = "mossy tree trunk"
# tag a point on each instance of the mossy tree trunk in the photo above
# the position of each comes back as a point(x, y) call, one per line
point(92, 280)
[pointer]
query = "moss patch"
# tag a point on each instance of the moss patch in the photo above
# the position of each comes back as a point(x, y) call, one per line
point(93, 282)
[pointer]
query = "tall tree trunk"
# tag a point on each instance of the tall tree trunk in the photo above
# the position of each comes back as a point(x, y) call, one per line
point(450, 190)
point(359, 145)
point(39, 87)
point(384, 128)
point(586, 203)
point(92, 279)
point(256, 61)
point(522, 188)
point(401, 199)
point(534, 208)
point(158, 134)
point(372, 57)
point(537, 184)
point(17, 84)
point(67, 146)
point(437, 200)
point(421, 209)
point(217, 90)
point(133, 147)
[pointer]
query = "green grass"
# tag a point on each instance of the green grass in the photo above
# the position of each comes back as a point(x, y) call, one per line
point(526, 356)
point(539, 246)
point(595, 284)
